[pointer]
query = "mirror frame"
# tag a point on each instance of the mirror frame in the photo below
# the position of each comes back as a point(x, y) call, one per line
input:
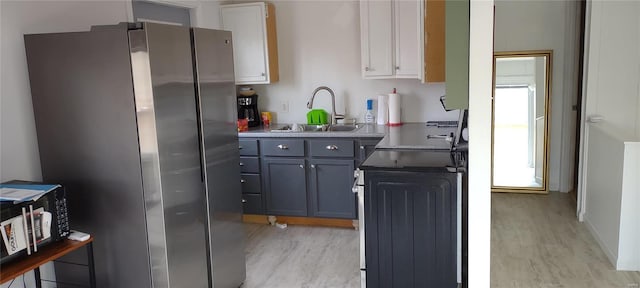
point(547, 109)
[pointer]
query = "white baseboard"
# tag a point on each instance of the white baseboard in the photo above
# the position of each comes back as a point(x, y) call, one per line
point(612, 257)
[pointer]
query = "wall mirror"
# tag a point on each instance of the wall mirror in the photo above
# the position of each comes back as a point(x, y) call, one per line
point(520, 126)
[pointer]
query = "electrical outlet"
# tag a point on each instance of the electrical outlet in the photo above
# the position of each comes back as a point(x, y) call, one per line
point(284, 106)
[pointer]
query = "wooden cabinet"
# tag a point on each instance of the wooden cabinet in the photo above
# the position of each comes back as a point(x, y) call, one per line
point(255, 49)
point(285, 183)
point(376, 28)
point(392, 33)
point(411, 226)
point(302, 176)
point(252, 202)
point(330, 188)
point(434, 41)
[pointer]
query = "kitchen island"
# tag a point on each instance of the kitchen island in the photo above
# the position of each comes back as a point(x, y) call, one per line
point(412, 214)
point(411, 194)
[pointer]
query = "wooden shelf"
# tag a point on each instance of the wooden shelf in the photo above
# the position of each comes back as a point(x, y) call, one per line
point(45, 254)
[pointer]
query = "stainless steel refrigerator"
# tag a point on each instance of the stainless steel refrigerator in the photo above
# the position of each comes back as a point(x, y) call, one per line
point(138, 122)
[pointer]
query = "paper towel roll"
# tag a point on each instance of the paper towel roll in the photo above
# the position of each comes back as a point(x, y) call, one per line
point(383, 110)
point(395, 117)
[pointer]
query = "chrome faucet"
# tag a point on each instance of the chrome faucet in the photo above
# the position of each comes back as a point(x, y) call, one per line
point(334, 116)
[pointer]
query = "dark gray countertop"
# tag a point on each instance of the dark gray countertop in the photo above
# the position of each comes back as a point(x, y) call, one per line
point(414, 160)
point(405, 147)
point(415, 136)
point(407, 136)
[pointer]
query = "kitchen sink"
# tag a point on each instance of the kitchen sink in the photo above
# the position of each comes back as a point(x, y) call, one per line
point(343, 128)
point(317, 128)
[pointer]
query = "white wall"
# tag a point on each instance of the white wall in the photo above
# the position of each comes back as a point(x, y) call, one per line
point(480, 74)
point(543, 25)
point(19, 152)
point(319, 44)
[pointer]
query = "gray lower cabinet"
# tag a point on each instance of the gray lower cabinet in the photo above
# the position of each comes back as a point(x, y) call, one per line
point(330, 188)
point(410, 235)
point(285, 186)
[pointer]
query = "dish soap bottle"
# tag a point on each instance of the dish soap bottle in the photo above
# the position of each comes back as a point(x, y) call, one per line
point(369, 117)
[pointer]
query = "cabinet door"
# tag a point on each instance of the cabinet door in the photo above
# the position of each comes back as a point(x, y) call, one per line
point(410, 234)
point(247, 25)
point(285, 186)
point(330, 183)
point(408, 32)
point(376, 24)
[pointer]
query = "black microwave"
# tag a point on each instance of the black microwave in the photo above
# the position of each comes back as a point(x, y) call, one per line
point(29, 225)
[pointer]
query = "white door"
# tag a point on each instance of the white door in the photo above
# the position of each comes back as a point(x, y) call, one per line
point(376, 18)
point(247, 25)
point(407, 28)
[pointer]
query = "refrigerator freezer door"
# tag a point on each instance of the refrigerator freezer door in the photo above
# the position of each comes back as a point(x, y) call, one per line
point(217, 102)
point(165, 99)
point(87, 137)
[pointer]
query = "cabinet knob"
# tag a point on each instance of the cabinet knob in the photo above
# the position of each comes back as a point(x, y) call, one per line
point(313, 166)
point(242, 181)
point(332, 147)
point(283, 147)
point(367, 69)
point(397, 67)
point(244, 200)
point(262, 74)
point(239, 147)
point(301, 166)
point(241, 164)
point(361, 147)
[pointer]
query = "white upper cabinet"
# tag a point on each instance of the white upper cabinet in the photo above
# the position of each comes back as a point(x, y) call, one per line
point(254, 41)
point(376, 22)
point(392, 33)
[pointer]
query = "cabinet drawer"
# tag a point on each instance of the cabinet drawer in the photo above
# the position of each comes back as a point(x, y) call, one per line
point(282, 147)
point(331, 148)
point(250, 183)
point(252, 204)
point(248, 147)
point(249, 165)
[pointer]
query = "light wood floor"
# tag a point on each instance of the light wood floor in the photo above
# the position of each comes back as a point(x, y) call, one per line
point(536, 241)
point(301, 256)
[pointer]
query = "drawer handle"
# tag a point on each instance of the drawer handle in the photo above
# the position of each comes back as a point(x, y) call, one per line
point(242, 181)
point(241, 164)
point(244, 200)
point(283, 147)
point(332, 147)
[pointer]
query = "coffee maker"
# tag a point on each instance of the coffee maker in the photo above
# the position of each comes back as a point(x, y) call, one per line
point(248, 109)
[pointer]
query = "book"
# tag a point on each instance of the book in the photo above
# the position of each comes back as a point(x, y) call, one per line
point(26, 231)
point(24, 192)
